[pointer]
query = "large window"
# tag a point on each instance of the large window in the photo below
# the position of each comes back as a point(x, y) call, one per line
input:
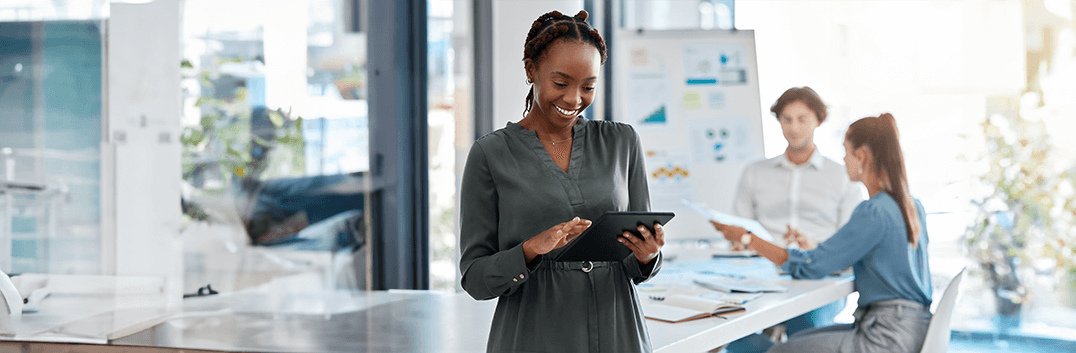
point(982, 94)
point(450, 120)
point(975, 88)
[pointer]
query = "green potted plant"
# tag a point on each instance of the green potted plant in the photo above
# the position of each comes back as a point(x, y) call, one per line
point(1015, 216)
point(1030, 212)
point(232, 143)
point(1062, 248)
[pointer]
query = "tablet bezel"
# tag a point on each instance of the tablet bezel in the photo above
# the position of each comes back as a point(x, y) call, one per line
point(599, 242)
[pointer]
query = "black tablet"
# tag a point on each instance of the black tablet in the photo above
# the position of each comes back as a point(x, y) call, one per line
point(599, 242)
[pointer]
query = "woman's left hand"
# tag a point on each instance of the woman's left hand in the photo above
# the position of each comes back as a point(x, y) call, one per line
point(647, 247)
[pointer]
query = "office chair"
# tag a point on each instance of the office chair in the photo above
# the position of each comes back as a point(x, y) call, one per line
point(938, 333)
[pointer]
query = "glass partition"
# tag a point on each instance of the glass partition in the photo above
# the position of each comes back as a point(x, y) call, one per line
point(50, 133)
point(275, 143)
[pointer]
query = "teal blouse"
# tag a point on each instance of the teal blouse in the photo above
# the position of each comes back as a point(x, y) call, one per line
point(874, 242)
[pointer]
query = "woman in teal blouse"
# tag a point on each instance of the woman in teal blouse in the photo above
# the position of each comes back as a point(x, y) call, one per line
point(885, 242)
point(532, 186)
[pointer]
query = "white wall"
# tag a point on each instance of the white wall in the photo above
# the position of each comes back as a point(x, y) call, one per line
point(511, 21)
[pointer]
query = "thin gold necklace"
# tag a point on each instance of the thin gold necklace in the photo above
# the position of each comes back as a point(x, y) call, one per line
point(554, 143)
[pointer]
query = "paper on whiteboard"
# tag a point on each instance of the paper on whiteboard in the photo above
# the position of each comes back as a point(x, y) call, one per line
point(648, 99)
point(713, 64)
point(751, 225)
point(669, 177)
point(721, 140)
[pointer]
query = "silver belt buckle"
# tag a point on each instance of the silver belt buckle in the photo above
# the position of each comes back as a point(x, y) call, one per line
point(590, 266)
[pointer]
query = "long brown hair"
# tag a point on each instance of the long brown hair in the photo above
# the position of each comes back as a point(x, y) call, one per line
point(880, 136)
point(554, 25)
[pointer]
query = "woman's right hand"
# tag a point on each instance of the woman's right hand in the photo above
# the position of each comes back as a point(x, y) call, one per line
point(732, 233)
point(554, 237)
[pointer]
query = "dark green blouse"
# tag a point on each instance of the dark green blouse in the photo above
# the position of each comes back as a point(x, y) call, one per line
point(511, 191)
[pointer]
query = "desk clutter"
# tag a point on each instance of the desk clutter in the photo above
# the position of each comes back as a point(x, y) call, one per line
point(695, 290)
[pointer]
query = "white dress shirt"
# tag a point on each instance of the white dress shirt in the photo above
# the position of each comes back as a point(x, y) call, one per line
point(816, 197)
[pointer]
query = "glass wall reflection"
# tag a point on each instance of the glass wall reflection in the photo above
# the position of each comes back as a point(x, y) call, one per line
point(275, 143)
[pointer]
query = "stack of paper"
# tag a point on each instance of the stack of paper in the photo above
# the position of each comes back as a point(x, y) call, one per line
point(729, 284)
point(734, 253)
point(732, 298)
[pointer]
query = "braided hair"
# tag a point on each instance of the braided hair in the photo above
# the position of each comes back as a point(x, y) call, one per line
point(552, 26)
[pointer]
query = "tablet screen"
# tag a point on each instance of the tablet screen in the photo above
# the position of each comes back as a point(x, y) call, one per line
point(599, 242)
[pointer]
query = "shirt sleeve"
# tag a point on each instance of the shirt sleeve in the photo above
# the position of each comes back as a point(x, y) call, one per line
point(487, 272)
point(851, 243)
point(743, 204)
point(851, 196)
point(639, 200)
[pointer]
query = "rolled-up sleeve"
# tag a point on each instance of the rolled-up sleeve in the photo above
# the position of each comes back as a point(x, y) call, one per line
point(851, 243)
point(486, 272)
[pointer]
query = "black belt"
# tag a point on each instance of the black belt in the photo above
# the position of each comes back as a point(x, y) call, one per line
point(585, 266)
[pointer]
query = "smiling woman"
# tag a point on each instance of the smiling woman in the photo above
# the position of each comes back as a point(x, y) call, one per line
point(562, 63)
point(561, 88)
point(531, 187)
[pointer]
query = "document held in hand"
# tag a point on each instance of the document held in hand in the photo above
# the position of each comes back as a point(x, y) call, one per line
point(751, 225)
point(679, 308)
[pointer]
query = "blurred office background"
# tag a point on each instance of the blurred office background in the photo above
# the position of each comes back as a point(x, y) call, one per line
point(327, 137)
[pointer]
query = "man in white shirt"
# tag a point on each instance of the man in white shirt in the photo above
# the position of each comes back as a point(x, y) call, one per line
point(807, 202)
point(800, 194)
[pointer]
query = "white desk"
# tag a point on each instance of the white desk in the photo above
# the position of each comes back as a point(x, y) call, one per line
point(768, 310)
point(92, 309)
point(377, 321)
point(279, 318)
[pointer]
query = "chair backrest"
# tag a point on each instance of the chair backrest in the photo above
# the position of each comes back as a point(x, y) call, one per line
point(937, 339)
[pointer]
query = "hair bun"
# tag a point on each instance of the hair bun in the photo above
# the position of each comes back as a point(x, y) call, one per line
point(582, 15)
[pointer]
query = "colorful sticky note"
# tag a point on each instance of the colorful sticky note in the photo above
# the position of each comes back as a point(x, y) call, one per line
point(692, 100)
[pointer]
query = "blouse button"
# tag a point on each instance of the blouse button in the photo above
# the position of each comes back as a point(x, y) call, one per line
point(808, 260)
point(515, 280)
point(520, 276)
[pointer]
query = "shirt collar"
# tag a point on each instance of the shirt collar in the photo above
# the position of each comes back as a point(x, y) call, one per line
point(579, 125)
point(816, 160)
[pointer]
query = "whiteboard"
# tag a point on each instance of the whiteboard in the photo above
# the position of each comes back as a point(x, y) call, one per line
point(693, 97)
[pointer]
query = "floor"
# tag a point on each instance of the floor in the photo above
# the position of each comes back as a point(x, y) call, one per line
point(965, 342)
